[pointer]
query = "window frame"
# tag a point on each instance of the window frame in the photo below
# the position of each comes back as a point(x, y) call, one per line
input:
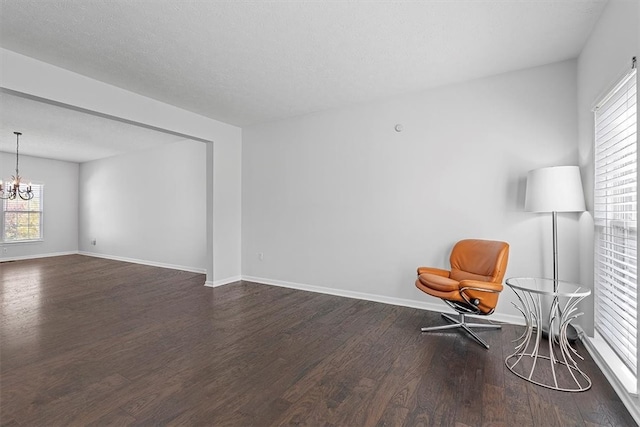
point(3, 237)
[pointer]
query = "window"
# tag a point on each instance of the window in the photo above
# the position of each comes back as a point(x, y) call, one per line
point(615, 216)
point(23, 218)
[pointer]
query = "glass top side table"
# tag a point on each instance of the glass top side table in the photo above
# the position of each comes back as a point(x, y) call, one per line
point(543, 355)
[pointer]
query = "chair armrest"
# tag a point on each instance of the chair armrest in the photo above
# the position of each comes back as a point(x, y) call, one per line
point(478, 285)
point(479, 294)
point(433, 270)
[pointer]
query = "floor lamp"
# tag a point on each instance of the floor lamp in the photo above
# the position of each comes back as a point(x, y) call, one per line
point(555, 189)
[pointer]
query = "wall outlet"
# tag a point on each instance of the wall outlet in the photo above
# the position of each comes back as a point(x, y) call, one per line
point(260, 256)
point(5, 251)
point(93, 241)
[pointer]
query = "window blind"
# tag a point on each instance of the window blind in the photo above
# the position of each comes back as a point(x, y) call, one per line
point(615, 216)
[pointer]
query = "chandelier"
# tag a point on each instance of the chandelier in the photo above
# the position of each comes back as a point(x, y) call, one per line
point(14, 190)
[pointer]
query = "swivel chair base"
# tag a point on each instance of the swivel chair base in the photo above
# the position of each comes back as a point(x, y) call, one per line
point(461, 323)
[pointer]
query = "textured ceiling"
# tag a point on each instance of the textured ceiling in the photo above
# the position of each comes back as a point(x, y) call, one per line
point(246, 62)
point(64, 134)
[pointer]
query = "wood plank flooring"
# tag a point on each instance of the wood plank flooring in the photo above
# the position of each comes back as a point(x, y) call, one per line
point(88, 341)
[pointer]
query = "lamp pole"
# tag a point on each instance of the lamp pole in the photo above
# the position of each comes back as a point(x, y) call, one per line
point(554, 218)
point(572, 334)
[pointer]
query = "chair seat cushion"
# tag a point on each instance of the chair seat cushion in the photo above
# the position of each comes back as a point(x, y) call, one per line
point(439, 283)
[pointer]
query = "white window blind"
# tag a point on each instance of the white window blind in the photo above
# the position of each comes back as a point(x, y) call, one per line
point(23, 218)
point(615, 216)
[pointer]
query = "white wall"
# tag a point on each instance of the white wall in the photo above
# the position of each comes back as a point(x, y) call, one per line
point(60, 200)
point(28, 76)
point(604, 59)
point(148, 206)
point(340, 200)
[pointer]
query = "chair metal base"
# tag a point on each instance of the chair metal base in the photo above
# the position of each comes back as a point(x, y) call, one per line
point(461, 323)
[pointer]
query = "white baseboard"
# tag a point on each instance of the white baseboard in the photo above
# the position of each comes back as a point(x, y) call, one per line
point(145, 262)
point(222, 282)
point(36, 256)
point(426, 305)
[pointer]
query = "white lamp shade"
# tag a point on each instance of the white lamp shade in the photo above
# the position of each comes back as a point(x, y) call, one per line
point(554, 189)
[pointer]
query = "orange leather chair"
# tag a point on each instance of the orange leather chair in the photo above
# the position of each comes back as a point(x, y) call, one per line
point(473, 284)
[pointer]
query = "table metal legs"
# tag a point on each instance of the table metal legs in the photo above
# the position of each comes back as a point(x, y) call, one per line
point(547, 361)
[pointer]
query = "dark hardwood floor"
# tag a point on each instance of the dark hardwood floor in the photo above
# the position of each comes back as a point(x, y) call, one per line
point(88, 341)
